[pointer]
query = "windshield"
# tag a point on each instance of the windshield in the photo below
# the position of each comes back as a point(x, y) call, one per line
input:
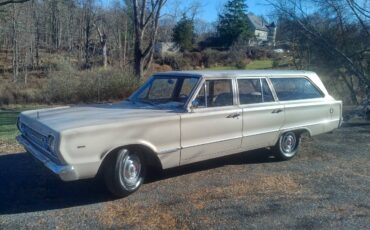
point(166, 90)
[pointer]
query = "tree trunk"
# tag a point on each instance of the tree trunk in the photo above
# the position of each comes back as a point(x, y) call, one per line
point(15, 46)
point(87, 40)
point(119, 50)
point(103, 43)
point(125, 44)
point(105, 52)
point(138, 65)
point(145, 15)
point(37, 35)
point(352, 91)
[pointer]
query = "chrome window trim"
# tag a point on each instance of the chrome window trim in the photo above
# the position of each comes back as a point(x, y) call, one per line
point(260, 80)
point(272, 89)
point(199, 87)
point(323, 95)
point(150, 79)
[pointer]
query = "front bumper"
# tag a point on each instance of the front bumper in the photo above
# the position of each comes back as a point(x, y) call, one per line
point(65, 172)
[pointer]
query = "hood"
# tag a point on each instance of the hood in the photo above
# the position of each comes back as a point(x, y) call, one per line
point(63, 118)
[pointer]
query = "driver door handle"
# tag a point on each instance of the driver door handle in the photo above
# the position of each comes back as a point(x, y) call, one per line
point(233, 115)
point(277, 111)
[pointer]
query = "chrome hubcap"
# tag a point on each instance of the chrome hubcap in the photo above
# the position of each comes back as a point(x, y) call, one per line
point(288, 144)
point(130, 171)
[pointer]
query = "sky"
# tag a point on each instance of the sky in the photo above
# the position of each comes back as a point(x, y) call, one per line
point(210, 8)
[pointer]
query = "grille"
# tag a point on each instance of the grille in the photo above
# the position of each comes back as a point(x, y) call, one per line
point(35, 137)
point(40, 141)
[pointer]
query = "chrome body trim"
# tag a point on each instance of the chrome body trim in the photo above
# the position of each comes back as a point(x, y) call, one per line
point(66, 172)
point(211, 142)
point(169, 151)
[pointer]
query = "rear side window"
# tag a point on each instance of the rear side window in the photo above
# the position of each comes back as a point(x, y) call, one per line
point(253, 91)
point(288, 89)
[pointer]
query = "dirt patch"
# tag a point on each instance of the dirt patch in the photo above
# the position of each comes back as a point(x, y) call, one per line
point(136, 215)
point(161, 68)
point(11, 148)
point(260, 184)
point(153, 214)
point(350, 210)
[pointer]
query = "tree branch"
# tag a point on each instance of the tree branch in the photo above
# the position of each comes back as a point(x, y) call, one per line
point(3, 3)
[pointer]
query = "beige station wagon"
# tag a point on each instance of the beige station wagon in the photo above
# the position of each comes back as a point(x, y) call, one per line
point(178, 118)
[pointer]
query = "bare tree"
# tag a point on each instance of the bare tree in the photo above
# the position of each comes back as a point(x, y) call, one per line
point(88, 18)
point(145, 18)
point(103, 43)
point(15, 44)
point(339, 31)
point(37, 21)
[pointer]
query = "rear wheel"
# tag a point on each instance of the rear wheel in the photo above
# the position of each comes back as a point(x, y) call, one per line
point(124, 172)
point(287, 146)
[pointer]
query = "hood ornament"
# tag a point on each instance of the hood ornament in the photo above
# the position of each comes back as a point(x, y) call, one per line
point(38, 115)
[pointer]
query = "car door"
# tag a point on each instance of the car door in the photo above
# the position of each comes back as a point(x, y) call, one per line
point(263, 116)
point(214, 127)
point(303, 104)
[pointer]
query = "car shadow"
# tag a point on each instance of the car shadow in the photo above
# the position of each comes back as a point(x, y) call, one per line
point(27, 186)
point(251, 157)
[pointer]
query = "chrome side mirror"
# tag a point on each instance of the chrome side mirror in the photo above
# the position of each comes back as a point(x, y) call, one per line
point(195, 104)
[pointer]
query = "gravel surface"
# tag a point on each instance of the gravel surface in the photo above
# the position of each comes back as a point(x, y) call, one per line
point(326, 186)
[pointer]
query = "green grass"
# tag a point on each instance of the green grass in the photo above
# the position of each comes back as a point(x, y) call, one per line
point(256, 64)
point(8, 122)
point(221, 68)
point(260, 64)
point(8, 128)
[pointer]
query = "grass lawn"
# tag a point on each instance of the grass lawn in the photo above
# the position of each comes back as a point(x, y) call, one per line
point(257, 64)
point(8, 128)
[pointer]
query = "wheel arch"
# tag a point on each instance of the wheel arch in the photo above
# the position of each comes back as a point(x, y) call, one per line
point(151, 158)
point(298, 131)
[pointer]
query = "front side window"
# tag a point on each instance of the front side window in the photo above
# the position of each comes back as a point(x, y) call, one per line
point(288, 89)
point(166, 89)
point(253, 91)
point(161, 89)
point(215, 93)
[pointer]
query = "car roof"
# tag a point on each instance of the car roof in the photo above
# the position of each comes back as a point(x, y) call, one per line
point(236, 73)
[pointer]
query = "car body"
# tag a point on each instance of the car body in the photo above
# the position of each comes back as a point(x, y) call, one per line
point(178, 118)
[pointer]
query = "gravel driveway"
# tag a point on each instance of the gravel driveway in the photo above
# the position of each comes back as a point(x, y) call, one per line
point(326, 186)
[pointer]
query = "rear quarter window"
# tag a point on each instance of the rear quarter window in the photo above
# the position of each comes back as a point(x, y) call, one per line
point(288, 89)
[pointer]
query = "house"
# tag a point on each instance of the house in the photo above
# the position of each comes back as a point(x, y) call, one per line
point(264, 33)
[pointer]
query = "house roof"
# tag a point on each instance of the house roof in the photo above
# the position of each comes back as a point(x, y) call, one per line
point(257, 22)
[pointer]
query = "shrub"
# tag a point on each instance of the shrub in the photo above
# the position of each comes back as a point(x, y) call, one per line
point(94, 85)
point(238, 56)
point(211, 57)
point(176, 61)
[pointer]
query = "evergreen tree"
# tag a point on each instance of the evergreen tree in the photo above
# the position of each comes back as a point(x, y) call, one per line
point(183, 33)
point(233, 22)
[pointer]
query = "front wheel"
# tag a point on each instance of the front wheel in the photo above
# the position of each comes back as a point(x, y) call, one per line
point(124, 172)
point(287, 146)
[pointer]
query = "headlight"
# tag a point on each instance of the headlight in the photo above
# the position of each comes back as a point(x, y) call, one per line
point(19, 125)
point(51, 143)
